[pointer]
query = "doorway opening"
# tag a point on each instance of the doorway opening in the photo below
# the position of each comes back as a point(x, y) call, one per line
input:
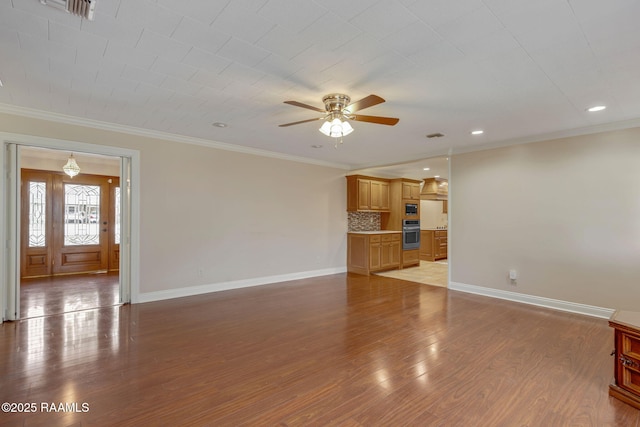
point(72, 243)
point(70, 233)
point(435, 218)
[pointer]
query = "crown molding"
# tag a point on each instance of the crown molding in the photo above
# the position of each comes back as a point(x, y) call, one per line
point(587, 130)
point(131, 130)
point(550, 136)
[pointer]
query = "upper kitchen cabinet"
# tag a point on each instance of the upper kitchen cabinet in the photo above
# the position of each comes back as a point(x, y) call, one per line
point(367, 194)
point(435, 189)
point(404, 193)
point(411, 190)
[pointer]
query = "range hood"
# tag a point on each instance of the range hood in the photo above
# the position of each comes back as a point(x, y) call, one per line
point(434, 189)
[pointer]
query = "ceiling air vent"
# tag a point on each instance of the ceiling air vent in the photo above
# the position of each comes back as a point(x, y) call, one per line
point(83, 8)
point(435, 135)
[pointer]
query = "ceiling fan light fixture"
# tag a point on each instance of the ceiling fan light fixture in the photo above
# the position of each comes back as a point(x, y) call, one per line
point(339, 111)
point(336, 128)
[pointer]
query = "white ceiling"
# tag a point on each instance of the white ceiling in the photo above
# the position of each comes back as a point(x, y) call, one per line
point(519, 69)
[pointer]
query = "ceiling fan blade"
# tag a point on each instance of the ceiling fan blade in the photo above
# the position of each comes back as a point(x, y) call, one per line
point(366, 102)
point(390, 121)
point(301, 121)
point(309, 107)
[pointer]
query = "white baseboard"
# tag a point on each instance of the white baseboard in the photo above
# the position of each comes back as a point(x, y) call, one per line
point(236, 284)
point(572, 307)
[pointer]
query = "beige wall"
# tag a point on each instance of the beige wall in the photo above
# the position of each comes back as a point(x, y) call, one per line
point(431, 215)
point(564, 213)
point(53, 160)
point(210, 216)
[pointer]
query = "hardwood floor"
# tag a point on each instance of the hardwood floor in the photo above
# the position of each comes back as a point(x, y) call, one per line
point(341, 350)
point(61, 294)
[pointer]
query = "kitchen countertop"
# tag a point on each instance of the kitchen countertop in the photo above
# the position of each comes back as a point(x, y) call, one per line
point(433, 229)
point(375, 232)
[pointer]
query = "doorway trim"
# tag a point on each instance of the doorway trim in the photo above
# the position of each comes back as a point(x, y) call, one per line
point(10, 220)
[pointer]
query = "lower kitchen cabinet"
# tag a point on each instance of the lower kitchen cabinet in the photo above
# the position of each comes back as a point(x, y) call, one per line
point(410, 258)
point(368, 252)
point(433, 244)
point(626, 381)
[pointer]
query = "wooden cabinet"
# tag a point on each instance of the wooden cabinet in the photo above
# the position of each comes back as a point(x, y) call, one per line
point(433, 244)
point(435, 189)
point(445, 206)
point(626, 382)
point(367, 194)
point(363, 195)
point(368, 252)
point(390, 251)
point(411, 190)
point(379, 195)
point(410, 258)
point(403, 191)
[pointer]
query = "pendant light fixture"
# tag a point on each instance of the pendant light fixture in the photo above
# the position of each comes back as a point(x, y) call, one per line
point(71, 168)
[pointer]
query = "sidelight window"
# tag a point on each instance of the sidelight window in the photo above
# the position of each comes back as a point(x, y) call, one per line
point(37, 214)
point(117, 219)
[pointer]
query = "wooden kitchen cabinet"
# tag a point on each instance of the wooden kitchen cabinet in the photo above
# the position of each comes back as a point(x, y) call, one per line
point(389, 251)
point(626, 381)
point(410, 258)
point(411, 190)
point(363, 195)
point(379, 200)
point(375, 253)
point(402, 191)
point(368, 252)
point(433, 244)
point(367, 194)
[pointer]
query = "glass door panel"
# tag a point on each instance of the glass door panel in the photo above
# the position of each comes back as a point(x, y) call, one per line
point(80, 241)
point(82, 214)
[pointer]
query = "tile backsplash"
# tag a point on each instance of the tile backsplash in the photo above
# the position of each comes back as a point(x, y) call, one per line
point(363, 221)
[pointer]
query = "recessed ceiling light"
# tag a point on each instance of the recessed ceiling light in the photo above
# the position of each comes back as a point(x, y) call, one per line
point(220, 125)
point(596, 108)
point(316, 146)
point(425, 169)
point(477, 132)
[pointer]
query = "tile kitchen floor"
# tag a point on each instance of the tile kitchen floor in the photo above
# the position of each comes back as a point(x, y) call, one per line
point(429, 273)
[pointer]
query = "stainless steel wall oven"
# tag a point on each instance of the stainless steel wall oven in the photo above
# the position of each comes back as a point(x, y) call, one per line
point(410, 234)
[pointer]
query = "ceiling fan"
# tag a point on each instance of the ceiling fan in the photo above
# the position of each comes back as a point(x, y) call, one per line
point(338, 111)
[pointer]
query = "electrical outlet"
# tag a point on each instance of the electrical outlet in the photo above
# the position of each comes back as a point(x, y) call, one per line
point(513, 277)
